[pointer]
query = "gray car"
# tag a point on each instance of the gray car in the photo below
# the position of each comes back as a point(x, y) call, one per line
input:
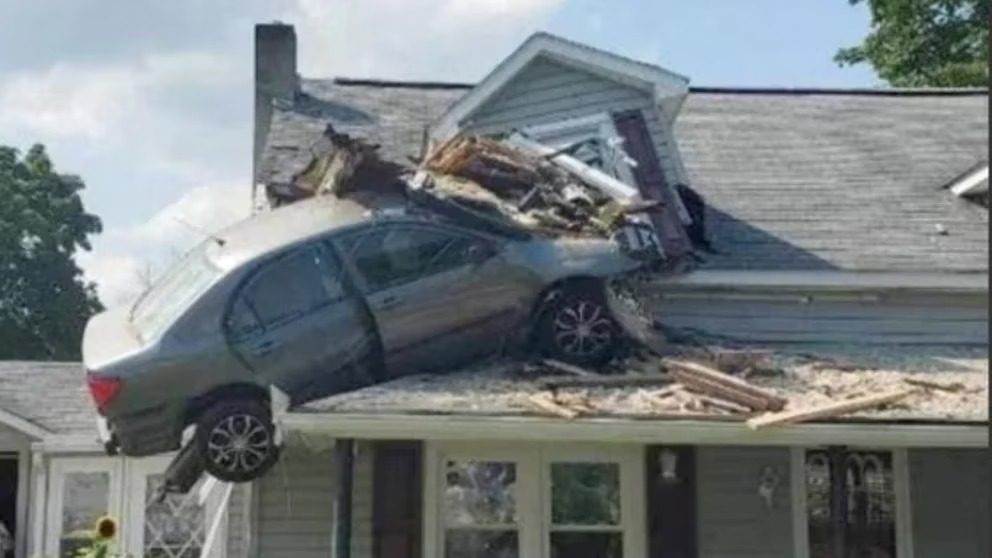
point(324, 296)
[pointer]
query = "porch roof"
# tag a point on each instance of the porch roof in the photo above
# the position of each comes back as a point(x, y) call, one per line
point(502, 389)
point(49, 395)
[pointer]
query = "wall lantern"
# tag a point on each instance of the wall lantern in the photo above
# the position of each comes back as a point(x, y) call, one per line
point(767, 484)
point(667, 464)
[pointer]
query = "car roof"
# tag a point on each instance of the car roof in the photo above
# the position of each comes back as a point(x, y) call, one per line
point(284, 226)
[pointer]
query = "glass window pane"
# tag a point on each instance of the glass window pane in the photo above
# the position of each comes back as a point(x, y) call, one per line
point(174, 527)
point(85, 498)
point(585, 494)
point(469, 543)
point(586, 545)
point(287, 289)
point(480, 493)
point(394, 255)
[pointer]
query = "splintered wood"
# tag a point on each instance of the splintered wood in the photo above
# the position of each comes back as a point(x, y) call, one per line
point(714, 383)
point(829, 410)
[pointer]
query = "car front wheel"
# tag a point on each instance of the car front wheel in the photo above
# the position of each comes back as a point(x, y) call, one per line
point(579, 328)
point(236, 440)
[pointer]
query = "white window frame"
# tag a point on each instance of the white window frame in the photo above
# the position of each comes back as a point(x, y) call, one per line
point(126, 499)
point(62, 467)
point(533, 489)
point(901, 492)
point(598, 125)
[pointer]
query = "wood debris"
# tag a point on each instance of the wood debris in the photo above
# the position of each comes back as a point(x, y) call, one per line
point(834, 409)
point(567, 368)
point(544, 403)
point(953, 387)
point(620, 380)
point(708, 381)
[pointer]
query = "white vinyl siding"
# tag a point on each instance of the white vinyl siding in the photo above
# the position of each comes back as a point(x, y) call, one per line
point(295, 504)
point(546, 91)
point(949, 491)
point(863, 319)
point(733, 520)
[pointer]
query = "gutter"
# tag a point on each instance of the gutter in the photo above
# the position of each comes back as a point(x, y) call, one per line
point(826, 281)
point(697, 432)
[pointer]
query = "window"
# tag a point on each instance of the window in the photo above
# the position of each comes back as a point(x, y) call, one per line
point(585, 510)
point(536, 502)
point(85, 489)
point(851, 502)
point(394, 255)
point(285, 290)
point(480, 513)
point(169, 297)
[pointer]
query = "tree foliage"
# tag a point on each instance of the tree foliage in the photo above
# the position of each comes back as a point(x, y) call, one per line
point(925, 43)
point(44, 300)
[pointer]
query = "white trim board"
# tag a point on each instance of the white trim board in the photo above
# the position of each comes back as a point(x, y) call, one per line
point(615, 430)
point(828, 281)
point(661, 82)
point(23, 425)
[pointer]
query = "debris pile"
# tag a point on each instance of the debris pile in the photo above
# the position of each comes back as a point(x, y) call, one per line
point(524, 184)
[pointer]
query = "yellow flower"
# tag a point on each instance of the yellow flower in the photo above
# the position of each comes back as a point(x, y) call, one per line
point(106, 528)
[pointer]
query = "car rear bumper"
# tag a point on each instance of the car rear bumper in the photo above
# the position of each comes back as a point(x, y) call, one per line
point(146, 433)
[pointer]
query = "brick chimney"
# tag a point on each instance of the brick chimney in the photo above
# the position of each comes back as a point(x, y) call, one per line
point(275, 78)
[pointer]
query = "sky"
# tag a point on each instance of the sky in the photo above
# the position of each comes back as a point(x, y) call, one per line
point(151, 102)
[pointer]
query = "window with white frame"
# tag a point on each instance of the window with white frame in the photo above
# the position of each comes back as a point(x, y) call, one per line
point(854, 503)
point(85, 489)
point(534, 502)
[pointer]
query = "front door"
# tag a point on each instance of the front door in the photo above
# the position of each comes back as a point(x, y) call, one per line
point(440, 296)
point(297, 325)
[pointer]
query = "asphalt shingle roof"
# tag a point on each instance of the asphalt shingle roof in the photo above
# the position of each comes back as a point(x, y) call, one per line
point(793, 179)
point(52, 395)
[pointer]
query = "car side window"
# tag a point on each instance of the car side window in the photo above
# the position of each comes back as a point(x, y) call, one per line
point(285, 290)
point(393, 255)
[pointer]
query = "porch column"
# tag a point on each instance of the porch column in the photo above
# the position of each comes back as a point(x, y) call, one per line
point(344, 458)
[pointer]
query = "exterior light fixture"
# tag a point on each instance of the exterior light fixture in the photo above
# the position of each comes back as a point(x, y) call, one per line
point(667, 463)
point(767, 484)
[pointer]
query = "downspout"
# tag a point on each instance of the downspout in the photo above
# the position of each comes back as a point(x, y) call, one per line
point(344, 457)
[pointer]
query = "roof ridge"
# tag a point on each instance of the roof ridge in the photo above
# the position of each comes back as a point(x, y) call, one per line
point(745, 90)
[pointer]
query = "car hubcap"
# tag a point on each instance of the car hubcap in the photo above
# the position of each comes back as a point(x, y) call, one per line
point(582, 328)
point(239, 443)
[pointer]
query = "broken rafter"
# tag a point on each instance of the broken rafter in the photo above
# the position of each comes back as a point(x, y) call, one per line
point(567, 368)
point(724, 386)
point(626, 380)
point(829, 410)
point(929, 384)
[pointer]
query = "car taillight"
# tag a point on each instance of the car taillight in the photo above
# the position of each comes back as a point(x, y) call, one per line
point(103, 389)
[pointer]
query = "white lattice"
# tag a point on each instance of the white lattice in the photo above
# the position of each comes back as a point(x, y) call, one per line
point(174, 527)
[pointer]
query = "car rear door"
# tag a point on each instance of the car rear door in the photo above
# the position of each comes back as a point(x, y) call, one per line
point(297, 324)
point(440, 296)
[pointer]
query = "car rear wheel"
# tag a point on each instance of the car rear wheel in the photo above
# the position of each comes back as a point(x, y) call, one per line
point(236, 440)
point(579, 328)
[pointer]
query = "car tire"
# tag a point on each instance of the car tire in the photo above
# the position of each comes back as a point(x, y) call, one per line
point(578, 327)
point(236, 440)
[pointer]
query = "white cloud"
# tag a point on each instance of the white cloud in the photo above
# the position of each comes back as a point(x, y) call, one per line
point(124, 257)
point(427, 39)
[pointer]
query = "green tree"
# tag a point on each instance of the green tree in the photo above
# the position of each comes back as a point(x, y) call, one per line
point(44, 300)
point(925, 43)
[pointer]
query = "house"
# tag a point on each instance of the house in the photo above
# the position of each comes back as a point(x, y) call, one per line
point(845, 223)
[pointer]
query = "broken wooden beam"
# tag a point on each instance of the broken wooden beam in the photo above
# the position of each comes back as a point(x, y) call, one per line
point(568, 368)
point(724, 386)
point(717, 403)
point(625, 380)
point(544, 403)
point(953, 387)
point(834, 409)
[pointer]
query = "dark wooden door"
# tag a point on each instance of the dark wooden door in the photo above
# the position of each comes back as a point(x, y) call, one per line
point(651, 182)
point(671, 502)
point(396, 499)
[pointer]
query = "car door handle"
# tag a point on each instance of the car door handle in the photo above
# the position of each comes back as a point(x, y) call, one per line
point(263, 348)
point(390, 302)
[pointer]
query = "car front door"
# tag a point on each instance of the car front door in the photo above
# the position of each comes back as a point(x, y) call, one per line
point(440, 296)
point(298, 325)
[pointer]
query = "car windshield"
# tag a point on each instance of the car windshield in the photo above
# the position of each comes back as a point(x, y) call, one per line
point(172, 293)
